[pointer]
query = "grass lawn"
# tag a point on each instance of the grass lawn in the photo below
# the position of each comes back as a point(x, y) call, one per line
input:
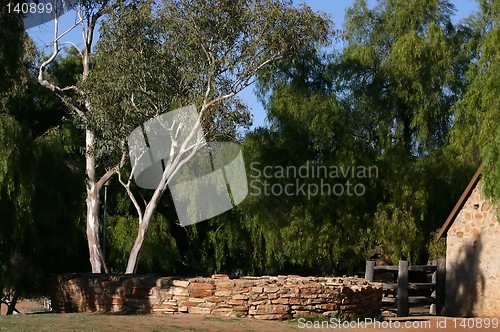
point(192, 322)
point(113, 322)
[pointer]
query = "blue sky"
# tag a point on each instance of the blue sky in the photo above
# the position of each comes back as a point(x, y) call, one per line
point(42, 35)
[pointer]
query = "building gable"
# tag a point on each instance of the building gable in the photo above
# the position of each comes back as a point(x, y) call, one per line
point(460, 203)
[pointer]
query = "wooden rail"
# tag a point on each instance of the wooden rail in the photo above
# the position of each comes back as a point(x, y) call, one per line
point(399, 292)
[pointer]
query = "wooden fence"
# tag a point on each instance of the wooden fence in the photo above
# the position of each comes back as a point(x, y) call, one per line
point(399, 292)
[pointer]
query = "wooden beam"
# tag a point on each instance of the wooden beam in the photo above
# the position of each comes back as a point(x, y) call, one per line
point(460, 203)
point(386, 268)
point(422, 268)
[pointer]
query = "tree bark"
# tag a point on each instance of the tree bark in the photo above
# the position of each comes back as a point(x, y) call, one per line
point(133, 258)
point(153, 203)
point(95, 255)
point(172, 167)
point(96, 258)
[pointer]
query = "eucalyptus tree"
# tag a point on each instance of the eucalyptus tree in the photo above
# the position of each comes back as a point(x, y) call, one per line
point(88, 13)
point(152, 59)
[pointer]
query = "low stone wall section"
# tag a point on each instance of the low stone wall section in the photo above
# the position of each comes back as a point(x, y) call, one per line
point(266, 297)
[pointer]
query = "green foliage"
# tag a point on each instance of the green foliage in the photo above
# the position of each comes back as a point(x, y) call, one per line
point(491, 176)
point(32, 179)
point(437, 249)
point(386, 100)
point(159, 253)
point(150, 60)
point(229, 243)
point(411, 94)
point(478, 110)
point(145, 67)
point(398, 233)
point(40, 194)
point(16, 188)
point(399, 63)
point(400, 72)
point(11, 47)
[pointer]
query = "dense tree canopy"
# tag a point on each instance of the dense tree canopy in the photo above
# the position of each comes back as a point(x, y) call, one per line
point(40, 190)
point(222, 47)
point(410, 103)
point(476, 128)
point(388, 99)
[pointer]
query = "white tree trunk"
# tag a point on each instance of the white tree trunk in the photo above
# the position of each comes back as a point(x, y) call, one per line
point(93, 231)
point(97, 260)
point(133, 258)
point(176, 161)
point(95, 254)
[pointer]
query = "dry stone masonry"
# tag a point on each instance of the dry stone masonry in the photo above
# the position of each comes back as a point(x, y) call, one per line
point(265, 297)
point(473, 260)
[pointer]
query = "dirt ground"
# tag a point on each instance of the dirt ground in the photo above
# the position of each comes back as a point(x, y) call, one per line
point(192, 322)
point(26, 306)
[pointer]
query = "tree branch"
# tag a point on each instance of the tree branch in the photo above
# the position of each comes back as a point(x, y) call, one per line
point(131, 196)
point(58, 90)
point(109, 173)
point(74, 45)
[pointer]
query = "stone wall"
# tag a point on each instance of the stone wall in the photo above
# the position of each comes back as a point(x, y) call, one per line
point(279, 297)
point(473, 259)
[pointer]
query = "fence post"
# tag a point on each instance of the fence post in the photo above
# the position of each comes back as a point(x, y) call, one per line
point(369, 271)
point(432, 309)
point(403, 309)
point(440, 285)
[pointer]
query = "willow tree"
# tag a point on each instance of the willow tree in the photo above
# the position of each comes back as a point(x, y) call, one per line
point(386, 99)
point(37, 166)
point(475, 128)
point(152, 59)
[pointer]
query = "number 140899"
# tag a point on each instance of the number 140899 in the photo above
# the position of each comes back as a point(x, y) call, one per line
point(30, 8)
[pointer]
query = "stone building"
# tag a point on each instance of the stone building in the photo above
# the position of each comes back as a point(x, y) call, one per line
point(472, 255)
